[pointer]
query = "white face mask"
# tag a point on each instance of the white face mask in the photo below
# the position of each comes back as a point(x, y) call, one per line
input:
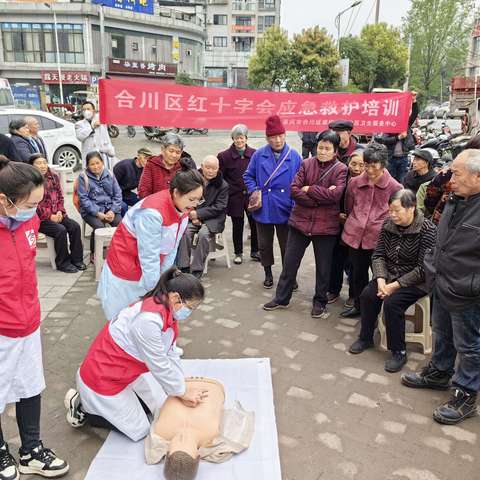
point(88, 114)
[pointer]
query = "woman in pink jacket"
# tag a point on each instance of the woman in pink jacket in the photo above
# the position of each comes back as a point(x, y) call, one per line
point(366, 203)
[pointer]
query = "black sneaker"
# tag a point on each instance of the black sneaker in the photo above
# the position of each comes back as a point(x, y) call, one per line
point(75, 415)
point(317, 311)
point(350, 313)
point(274, 306)
point(42, 461)
point(460, 406)
point(359, 345)
point(396, 363)
point(268, 282)
point(67, 268)
point(428, 377)
point(8, 465)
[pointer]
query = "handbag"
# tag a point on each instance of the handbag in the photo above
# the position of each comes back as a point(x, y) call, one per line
point(255, 200)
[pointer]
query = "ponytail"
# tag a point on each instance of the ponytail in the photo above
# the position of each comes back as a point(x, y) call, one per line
point(187, 286)
point(18, 180)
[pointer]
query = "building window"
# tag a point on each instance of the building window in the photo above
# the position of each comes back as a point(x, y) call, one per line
point(243, 44)
point(266, 4)
point(220, 41)
point(219, 19)
point(265, 22)
point(118, 46)
point(35, 42)
point(243, 20)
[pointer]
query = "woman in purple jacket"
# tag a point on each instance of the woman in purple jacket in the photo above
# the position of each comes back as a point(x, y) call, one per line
point(317, 190)
point(233, 163)
point(366, 204)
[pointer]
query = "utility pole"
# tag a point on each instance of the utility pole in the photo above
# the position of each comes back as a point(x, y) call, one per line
point(407, 76)
point(377, 12)
point(102, 41)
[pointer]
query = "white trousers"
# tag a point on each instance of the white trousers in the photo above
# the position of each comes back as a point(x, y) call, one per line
point(123, 410)
point(21, 368)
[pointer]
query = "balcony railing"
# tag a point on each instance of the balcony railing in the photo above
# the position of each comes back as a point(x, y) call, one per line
point(244, 7)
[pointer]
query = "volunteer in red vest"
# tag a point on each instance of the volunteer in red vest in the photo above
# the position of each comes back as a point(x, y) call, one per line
point(113, 391)
point(145, 244)
point(21, 368)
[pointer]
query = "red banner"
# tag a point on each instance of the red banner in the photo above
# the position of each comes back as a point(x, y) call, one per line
point(147, 103)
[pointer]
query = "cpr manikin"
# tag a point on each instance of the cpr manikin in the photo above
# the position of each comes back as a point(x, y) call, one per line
point(183, 434)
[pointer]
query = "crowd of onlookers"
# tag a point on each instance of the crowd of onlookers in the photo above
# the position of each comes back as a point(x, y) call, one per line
point(397, 232)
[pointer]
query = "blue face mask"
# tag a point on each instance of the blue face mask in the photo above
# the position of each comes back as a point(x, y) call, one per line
point(182, 313)
point(24, 215)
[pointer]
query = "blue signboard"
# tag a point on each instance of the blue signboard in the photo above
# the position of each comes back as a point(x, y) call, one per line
point(26, 96)
point(139, 6)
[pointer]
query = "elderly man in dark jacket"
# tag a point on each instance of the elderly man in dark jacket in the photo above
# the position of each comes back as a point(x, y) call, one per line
point(453, 272)
point(317, 190)
point(206, 220)
point(233, 163)
point(348, 143)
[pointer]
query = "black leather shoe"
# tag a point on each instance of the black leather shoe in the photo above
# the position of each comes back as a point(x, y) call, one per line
point(255, 256)
point(350, 313)
point(274, 305)
point(359, 345)
point(268, 282)
point(79, 266)
point(317, 311)
point(428, 377)
point(67, 269)
point(396, 363)
point(460, 406)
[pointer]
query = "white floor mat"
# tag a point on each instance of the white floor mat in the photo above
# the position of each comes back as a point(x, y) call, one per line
point(247, 380)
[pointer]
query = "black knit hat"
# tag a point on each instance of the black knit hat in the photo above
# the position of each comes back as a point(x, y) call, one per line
point(424, 155)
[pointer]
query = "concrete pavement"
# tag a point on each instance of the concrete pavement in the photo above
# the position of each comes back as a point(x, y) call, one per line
point(339, 416)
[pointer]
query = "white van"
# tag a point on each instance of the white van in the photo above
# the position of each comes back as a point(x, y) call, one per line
point(63, 148)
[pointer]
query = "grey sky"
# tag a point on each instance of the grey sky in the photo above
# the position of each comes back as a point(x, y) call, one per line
point(298, 14)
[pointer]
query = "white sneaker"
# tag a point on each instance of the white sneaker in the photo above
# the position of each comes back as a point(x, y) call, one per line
point(238, 259)
point(75, 415)
point(42, 461)
point(8, 465)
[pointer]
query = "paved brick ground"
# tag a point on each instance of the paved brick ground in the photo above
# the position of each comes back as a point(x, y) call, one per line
point(339, 416)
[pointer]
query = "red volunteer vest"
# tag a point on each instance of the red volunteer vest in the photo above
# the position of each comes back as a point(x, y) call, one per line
point(107, 368)
point(122, 257)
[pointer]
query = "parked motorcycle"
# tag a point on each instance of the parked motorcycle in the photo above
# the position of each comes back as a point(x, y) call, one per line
point(193, 131)
point(155, 134)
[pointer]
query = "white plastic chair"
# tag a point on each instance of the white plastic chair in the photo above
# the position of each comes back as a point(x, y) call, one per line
point(103, 237)
point(51, 251)
point(215, 253)
point(424, 337)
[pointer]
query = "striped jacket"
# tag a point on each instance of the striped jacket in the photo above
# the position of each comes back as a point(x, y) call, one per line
point(400, 251)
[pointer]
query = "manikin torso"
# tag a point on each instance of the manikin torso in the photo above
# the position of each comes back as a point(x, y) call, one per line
point(189, 428)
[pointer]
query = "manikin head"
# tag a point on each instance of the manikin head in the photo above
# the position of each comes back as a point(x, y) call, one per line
point(210, 167)
point(182, 460)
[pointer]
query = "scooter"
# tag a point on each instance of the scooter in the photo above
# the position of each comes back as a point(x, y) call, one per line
point(155, 134)
point(113, 131)
point(192, 131)
point(131, 132)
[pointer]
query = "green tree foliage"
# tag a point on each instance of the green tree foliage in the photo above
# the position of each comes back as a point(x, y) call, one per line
point(308, 63)
point(268, 67)
point(439, 31)
point(378, 57)
point(313, 62)
point(184, 79)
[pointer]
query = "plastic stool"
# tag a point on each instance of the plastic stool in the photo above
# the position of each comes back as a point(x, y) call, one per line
point(103, 237)
point(424, 337)
point(51, 251)
point(216, 253)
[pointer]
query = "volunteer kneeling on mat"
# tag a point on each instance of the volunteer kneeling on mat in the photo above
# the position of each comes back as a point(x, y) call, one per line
point(112, 391)
point(21, 368)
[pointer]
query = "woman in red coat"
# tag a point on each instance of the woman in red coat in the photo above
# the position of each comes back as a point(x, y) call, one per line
point(55, 223)
point(21, 369)
point(233, 163)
